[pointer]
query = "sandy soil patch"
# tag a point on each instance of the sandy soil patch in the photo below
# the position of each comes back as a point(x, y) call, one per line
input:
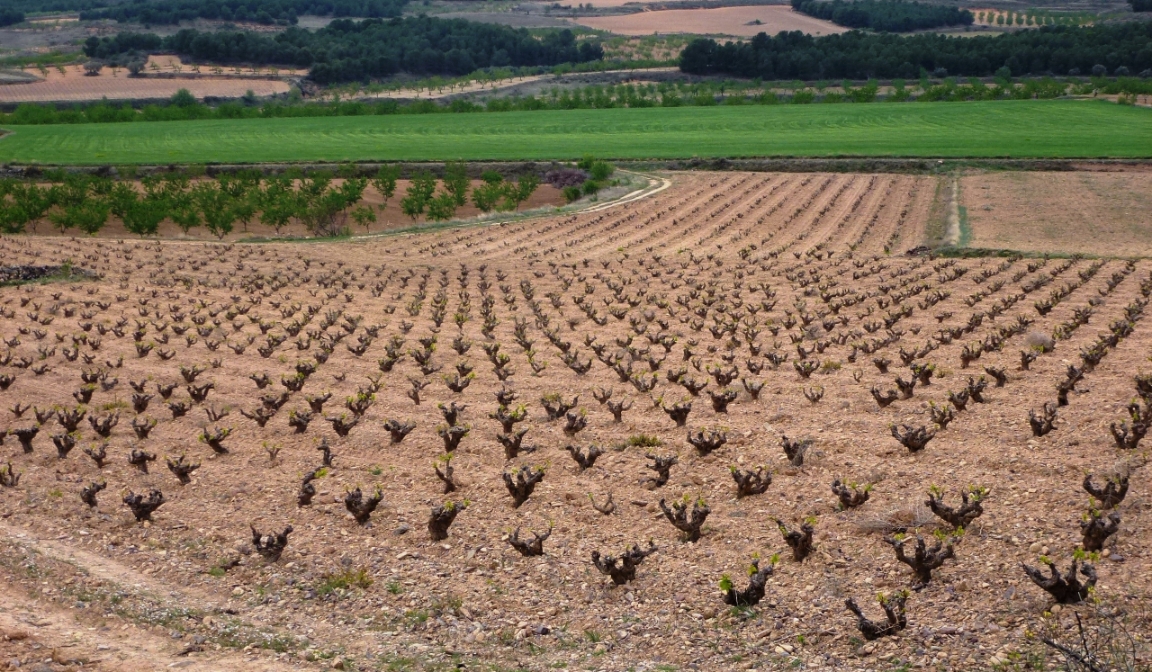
point(164, 63)
point(73, 85)
point(1091, 212)
point(735, 21)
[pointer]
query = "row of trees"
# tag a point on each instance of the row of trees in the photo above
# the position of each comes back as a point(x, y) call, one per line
point(323, 205)
point(284, 12)
point(348, 51)
point(896, 16)
point(686, 94)
point(859, 55)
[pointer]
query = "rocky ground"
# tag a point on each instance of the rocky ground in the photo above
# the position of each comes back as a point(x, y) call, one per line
point(772, 263)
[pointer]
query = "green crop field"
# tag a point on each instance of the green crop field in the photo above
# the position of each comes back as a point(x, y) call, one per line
point(1024, 129)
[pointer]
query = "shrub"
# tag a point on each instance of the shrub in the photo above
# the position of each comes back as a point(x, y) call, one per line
point(566, 177)
point(601, 170)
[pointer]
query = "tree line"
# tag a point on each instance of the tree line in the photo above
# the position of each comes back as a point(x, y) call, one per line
point(895, 16)
point(10, 17)
point(267, 12)
point(1122, 49)
point(348, 51)
point(684, 94)
point(325, 206)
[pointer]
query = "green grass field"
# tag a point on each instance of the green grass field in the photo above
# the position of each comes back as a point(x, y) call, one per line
point(1018, 129)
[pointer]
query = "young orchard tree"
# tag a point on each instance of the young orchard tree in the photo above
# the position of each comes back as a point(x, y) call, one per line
point(216, 207)
point(323, 208)
point(456, 182)
point(276, 202)
point(419, 193)
point(183, 211)
point(244, 188)
point(120, 198)
point(520, 191)
point(80, 204)
point(364, 216)
point(29, 204)
point(142, 216)
point(66, 199)
point(442, 207)
point(385, 183)
point(487, 196)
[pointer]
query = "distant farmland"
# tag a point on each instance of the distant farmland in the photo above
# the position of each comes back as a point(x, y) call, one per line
point(1017, 129)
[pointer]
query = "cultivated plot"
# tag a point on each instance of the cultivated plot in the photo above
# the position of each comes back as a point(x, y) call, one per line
point(735, 21)
point(1097, 213)
point(984, 129)
point(742, 346)
point(72, 85)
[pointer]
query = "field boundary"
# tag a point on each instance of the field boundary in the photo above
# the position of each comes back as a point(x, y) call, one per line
point(911, 166)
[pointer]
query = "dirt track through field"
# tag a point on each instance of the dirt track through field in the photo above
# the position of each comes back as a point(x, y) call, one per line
point(767, 305)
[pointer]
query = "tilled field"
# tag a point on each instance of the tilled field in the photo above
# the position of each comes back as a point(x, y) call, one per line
point(727, 320)
point(739, 21)
point(72, 85)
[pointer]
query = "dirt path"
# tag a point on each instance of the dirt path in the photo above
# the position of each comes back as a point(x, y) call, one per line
point(38, 632)
point(952, 233)
point(489, 87)
point(655, 186)
point(39, 629)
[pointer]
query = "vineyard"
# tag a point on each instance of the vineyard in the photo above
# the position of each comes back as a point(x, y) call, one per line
point(703, 430)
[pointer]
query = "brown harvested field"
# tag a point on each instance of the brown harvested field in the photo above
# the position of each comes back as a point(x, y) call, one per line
point(735, 21)
point(702, 286)
point(1097, 213)
point(74, 86)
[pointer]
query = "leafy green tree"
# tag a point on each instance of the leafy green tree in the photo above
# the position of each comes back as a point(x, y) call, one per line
point(183, 98)
point(487, 196)
point(28, 205)
point(89, 216)
point(322, 207)
point(364, 216)
point(571, 194)
point(517, 192)
point(245, 209)
point(13, 218)
point(143, 216)
point(442, 207)
point(121, 198)
point(183, 211)
point(277, 202)
point(456, 182)
point(418, 195)
point(216, 206)
point(601, 170)
point(385, 183)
